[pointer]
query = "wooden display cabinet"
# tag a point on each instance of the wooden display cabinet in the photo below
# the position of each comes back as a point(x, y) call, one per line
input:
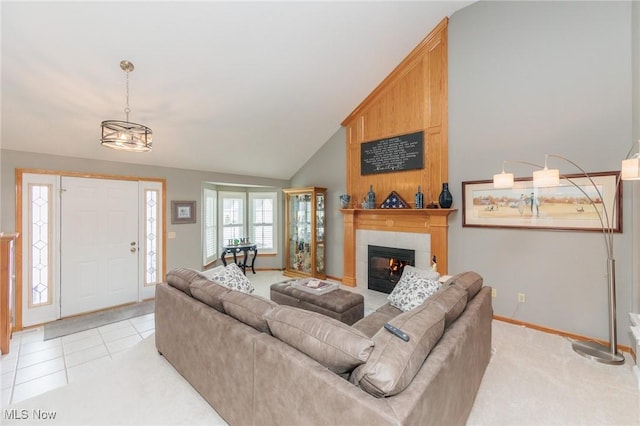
point(305, 232)
point(7, 289)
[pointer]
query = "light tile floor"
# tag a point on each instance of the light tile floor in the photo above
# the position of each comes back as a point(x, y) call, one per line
point(34, 366)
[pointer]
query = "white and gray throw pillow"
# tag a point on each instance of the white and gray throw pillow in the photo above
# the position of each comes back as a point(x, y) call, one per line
point(415, 286)
point(209, 273)
point(232, 277)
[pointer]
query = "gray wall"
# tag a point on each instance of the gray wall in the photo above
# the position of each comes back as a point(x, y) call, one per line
point(635, 43)
point(525, 79)
point(183, 251)
point(328, 169)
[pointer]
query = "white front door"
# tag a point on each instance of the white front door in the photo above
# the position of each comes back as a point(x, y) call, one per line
point(99, 244)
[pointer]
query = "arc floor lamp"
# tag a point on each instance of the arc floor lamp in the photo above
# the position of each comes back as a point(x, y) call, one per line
point(545, 177)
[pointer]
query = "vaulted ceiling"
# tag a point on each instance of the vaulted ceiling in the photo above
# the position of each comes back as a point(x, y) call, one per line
point(250, 88)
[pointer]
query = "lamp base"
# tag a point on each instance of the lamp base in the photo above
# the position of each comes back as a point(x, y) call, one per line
point(597, 352)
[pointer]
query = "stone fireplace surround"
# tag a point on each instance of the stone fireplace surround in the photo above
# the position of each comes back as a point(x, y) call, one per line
point(421, 243)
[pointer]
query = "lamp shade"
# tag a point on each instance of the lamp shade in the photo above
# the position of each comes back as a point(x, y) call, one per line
point(503, 180)
point(631, 168)
point(126, 136)
point(546, 177)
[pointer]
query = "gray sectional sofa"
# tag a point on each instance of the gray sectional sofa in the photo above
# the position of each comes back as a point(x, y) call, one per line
point(258, 363)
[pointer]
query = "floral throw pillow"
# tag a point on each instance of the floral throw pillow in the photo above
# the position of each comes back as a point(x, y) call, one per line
point(415, 286)
point(232, 277)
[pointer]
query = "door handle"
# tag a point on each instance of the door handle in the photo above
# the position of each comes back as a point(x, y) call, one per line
point(132, 250)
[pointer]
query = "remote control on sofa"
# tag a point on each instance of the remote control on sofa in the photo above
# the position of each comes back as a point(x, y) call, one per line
point(397, 332)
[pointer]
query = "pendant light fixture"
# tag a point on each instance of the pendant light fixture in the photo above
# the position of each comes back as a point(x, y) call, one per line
point(124, 135)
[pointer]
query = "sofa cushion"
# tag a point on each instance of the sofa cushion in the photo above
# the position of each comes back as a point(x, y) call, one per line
point(330, 342)
point(414, 287)
point(181, 278)
point(470, 281)
point(370, 324)
point(248, 308)
point(209, 292)
point(452, 299)
point(231, 276)
point(373, 322)
point(390, 310)
point(393, 362)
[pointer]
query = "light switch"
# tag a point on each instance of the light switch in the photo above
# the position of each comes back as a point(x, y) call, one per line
point(171, 235)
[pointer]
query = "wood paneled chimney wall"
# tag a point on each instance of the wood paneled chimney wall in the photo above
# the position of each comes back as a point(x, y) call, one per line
point(412, 98)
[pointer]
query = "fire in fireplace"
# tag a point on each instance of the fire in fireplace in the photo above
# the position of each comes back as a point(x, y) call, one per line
point(386, 265)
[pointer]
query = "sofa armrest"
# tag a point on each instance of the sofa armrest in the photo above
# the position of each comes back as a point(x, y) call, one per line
point(444, 390)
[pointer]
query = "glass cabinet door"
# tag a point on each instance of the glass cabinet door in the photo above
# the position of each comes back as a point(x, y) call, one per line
point(300, 232)
point(320, 230)
point(305, 255)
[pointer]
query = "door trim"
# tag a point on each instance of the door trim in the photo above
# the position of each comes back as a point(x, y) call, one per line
point(19, 225)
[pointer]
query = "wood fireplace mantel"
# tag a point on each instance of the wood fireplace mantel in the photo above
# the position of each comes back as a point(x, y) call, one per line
point(423, 221)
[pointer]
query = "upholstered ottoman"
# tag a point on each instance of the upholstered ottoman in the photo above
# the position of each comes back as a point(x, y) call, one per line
point(343, 305)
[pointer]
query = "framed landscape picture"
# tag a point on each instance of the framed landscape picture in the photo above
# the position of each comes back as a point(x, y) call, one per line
point(183, 212)
point(576, 204)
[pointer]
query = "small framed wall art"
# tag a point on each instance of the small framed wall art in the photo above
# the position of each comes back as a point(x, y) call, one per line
point(183, 212)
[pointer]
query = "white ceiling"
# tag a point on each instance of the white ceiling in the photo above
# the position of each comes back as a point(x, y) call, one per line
point(250, 88)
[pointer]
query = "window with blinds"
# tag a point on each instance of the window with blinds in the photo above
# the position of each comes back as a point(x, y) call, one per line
point(262, 224)
point(233, 221)
point(228, 216)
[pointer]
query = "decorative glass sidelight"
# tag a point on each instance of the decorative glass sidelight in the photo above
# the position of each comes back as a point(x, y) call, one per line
point(151, 235)
point(40, 216)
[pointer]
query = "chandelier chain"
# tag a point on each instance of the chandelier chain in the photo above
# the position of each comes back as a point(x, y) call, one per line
point(127, 110)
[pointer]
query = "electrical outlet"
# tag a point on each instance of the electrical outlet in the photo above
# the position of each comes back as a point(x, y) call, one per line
point(521, 298)
point(494, 292)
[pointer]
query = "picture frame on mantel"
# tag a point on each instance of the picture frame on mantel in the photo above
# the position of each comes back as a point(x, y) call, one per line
point(183, 212)
point(563, 207)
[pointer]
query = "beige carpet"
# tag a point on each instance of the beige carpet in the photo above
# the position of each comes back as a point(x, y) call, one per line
point(533, 379)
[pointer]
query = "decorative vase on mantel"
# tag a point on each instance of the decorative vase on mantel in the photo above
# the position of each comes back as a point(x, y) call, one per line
point(345, 200)
point(445, 199)
point(419, 198)
point(371, 198)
